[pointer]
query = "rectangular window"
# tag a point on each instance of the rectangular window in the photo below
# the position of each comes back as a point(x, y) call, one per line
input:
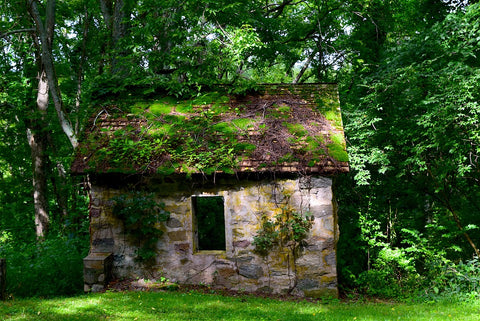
point(209, 222)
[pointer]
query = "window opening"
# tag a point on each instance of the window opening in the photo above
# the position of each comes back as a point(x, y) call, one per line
point(209, 221)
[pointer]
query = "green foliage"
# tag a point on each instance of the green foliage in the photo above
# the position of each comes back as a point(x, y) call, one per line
point(452, 281)
point(51, 268)
point(412, 118)
point(141, 214)
point(124, 150)
point(287, 229)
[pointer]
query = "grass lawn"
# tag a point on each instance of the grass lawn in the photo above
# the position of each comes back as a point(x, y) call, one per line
point(198, 306)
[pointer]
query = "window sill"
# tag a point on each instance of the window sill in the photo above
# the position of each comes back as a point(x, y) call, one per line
point(211, 252)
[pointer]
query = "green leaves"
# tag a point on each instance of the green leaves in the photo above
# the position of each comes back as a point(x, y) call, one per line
point(412, 122)
point(287, 229)
point(141, 215)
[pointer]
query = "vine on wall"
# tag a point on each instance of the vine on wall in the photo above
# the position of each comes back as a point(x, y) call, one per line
point(287, 229)
point(140, 214)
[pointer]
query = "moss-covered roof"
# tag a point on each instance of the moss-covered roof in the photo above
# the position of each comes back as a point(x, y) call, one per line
point(280, 128)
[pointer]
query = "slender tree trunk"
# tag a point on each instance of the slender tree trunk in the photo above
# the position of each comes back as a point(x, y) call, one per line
point(37, 141)
point(460, 227)
point(42, 219)
point(304, 68)
point(45, 33)
point(59, 183)
point(80, 71)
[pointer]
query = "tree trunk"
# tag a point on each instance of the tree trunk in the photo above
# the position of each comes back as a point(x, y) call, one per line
point(38, 142)
point(465, 234)
point(86, 24)
point(304, 68)
point(45, 33)
point(59, 183)
point(42, 219)
point(116, 16)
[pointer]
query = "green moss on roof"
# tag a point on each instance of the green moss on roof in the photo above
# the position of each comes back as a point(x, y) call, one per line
point(243, 123)
point(278, 128)
point(296, 129)
point(159, 108)
point(337, 148)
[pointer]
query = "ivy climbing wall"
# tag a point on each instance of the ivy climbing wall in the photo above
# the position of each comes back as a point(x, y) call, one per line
point(305, 267)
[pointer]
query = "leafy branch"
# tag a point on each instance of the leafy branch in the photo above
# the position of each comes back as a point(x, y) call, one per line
point(287, 229)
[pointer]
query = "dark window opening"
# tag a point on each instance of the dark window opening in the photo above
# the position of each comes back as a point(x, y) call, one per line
point(209, 221)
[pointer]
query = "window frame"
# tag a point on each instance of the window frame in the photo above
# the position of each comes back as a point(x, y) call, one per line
point(195, 229)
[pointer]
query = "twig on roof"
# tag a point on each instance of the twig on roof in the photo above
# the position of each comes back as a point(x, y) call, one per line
point(98, 115)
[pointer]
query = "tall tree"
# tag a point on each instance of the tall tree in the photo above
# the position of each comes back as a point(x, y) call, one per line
point(28, 42)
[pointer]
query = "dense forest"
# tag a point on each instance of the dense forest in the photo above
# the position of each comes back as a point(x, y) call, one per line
point(409, 78)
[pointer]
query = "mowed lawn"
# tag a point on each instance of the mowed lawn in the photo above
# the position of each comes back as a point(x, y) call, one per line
point(199, 306)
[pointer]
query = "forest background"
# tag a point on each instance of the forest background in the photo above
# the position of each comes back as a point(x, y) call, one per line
point(409, 78)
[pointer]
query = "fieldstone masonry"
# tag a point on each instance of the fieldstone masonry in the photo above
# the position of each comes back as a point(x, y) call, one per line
point(97, 271)
point(312, 273)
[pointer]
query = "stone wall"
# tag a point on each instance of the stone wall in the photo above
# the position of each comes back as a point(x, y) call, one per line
point(312, 273)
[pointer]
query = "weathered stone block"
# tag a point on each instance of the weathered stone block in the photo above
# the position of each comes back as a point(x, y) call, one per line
point(250, 271)
point(97, 270)
point(177, 236)
point(265, 289)
point(310, 260)
point(305, 182)
point(239, 232)
point(244, 259)
point(182, 247)
point(328, 224)
point(307, 284)
point(226, 272)
point(321, 182)
point(95, 212)
point(90, 275)
point(103, 244)
point(241, 243)
point(322, 210)
point(329, 280)
point(100, 226)
point(97, 288)
point(94, 200)
point(319, 244)
point(331, 259)
point(174, 223)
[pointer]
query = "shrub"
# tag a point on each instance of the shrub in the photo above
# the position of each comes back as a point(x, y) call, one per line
point(459, 281)
point(52, 267)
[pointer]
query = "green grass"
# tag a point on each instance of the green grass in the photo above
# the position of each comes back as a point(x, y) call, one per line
point(198, 306)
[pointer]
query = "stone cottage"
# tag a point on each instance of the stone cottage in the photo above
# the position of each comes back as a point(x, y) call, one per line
point(244, 184)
